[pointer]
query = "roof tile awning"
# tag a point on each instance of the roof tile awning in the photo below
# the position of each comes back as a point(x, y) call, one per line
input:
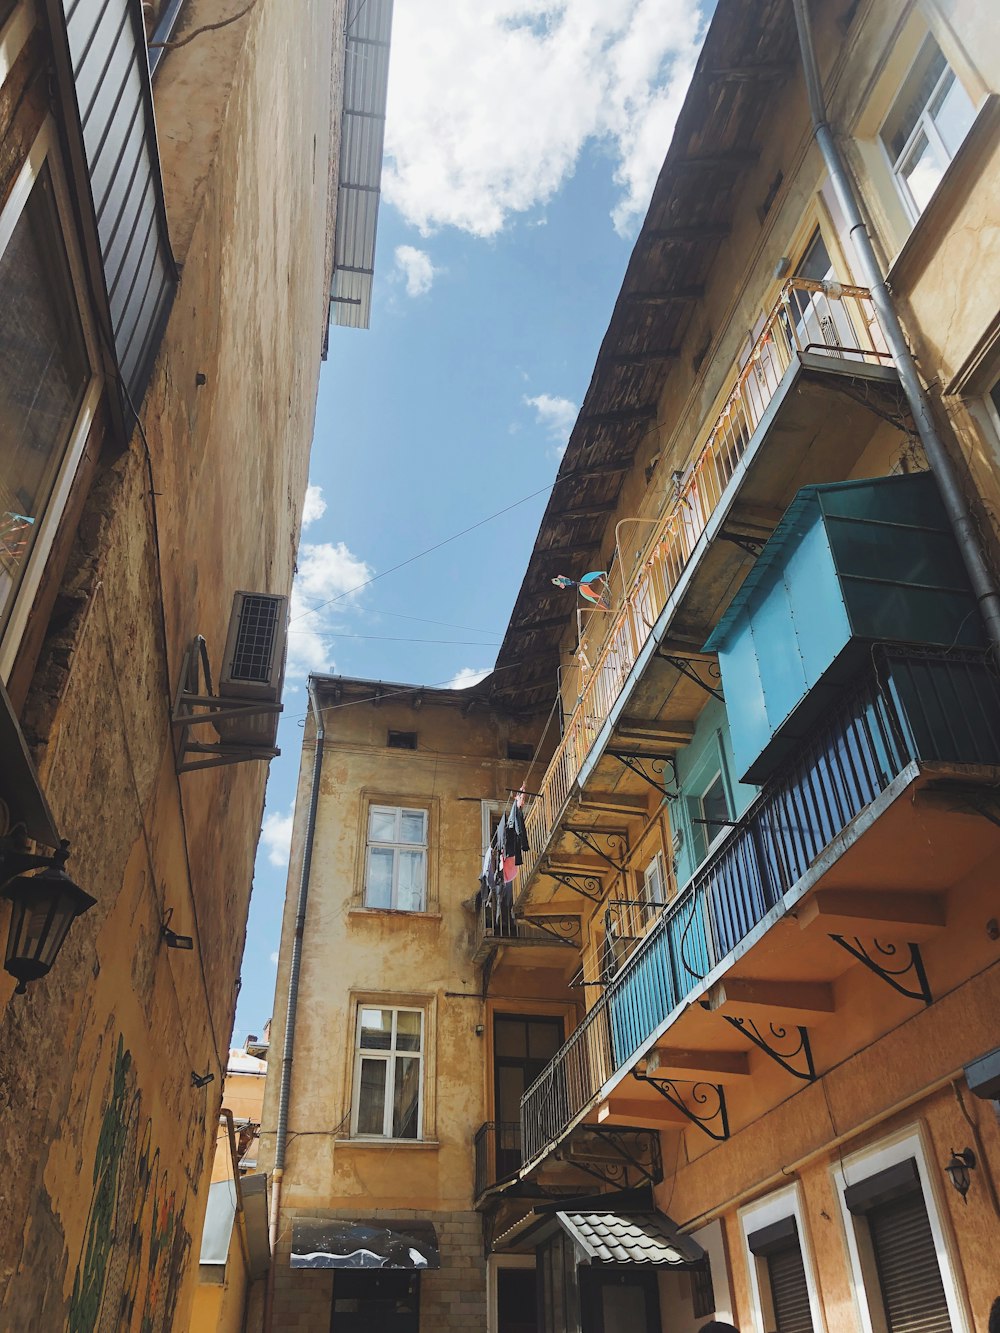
point(630, 1238)
point(375, 1242)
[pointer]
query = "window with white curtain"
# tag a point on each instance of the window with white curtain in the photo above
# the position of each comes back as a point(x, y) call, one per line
point(388, 1073)
point(396, 859)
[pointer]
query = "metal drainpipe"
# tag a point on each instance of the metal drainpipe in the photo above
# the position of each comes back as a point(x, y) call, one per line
point(281, 1132)
point(956, 506)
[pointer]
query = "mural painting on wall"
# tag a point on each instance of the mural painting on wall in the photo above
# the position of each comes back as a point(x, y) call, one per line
point(136, 1244)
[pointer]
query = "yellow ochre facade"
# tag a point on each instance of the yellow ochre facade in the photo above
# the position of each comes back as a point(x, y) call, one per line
point(168, 203)
point(757, 914)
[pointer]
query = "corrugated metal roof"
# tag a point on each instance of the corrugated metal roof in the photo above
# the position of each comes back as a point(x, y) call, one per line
point(366, 79)
point(630, 1238)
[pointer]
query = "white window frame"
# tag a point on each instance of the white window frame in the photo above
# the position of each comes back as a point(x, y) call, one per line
point(396, 847)
point(858, 1167)
point(494, 1263)
point(388, 1056)
point(924, 126)
point(765, 1212)
point(44, 152)
point(489, 809)
point(713, 839)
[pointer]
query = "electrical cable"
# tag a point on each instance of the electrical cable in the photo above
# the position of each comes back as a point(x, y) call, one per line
point(420, 554)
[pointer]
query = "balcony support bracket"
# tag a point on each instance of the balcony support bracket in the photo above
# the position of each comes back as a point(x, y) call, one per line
point(798, 1061)
point(686, 668)
point(613, 839)
point(563, 929)
point(656, 776)
point(752, 545)
point(587, 886)
point(705, 1107)
point(880, 960)
point(624, 1169)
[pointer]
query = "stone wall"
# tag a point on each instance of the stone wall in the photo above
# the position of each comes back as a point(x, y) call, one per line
point(104, 1140)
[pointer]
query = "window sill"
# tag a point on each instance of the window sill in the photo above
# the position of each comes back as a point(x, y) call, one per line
point(425, 1145)
point(928, 226)
point(394, 912)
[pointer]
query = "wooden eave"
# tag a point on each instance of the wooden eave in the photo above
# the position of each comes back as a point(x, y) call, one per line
point(749, 51)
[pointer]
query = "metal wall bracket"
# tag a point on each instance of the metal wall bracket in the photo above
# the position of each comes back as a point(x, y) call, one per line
point(657, 765)
point(613, 839)
point(752, 545)
point(627, 1169)
point(686, 669)
point(798, 1060)
point(565, 929)
point(195, 704)
point(880, 964)
point(587, 886)
point(713, 1121)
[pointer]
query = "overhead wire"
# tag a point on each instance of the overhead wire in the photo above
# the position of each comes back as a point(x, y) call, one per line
point(420, 554)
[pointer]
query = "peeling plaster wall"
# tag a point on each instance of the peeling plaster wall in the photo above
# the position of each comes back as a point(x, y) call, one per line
point(105, 1144)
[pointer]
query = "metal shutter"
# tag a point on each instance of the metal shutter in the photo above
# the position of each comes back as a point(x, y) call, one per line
point(907, 1265)
point(789, 1293)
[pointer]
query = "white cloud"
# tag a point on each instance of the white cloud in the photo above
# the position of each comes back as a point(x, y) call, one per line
point(326, 571)
point(274, 957)
point(491, 104)
point(276, 835)
point(461, 680)
point(557, 415)
point(315, 505)
point(415, 267)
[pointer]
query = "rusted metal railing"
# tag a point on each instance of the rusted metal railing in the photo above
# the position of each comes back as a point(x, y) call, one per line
point(824, 318)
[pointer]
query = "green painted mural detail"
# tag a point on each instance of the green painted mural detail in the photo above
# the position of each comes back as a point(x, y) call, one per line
point(136, 1245)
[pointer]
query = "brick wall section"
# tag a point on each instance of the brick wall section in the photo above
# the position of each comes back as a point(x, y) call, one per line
point(452, 1299)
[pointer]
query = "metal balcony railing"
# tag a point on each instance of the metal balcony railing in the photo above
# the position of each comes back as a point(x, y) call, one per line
point(911, 704)
point(828, 319)
point(496, 924)
point(498, 1153)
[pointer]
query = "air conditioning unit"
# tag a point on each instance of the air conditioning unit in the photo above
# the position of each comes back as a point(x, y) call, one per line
point(253, 667)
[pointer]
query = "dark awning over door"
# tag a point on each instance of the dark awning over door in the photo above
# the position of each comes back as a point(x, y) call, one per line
point(377, 1242)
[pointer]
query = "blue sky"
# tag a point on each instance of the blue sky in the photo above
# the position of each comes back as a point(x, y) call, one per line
point(509, 211)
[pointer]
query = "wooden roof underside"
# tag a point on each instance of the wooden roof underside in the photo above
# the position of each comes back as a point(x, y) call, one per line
point(749, 51)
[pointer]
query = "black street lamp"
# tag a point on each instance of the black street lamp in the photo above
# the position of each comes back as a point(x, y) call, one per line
point(43, 907)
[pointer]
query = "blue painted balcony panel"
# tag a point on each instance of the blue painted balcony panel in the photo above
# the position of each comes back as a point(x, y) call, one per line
point(850, 563)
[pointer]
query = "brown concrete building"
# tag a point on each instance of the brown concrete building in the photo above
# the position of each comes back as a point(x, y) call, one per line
point(169, 256)
point(767, 825)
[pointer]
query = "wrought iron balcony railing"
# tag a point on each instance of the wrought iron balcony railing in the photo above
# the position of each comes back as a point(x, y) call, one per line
point(497, 925)
point(827, 319)
point(934, 706)
point(498, 1153)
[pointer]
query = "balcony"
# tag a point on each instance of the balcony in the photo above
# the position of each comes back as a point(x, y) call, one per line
point(499, 931)
point(816, 336)
point(921, 722)
point(498, 1154)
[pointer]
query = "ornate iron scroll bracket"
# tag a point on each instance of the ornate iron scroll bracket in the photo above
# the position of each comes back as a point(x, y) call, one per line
point(614, 840)
point(625, 1168)
point(797, 1059)
point(684, 666)
point(565, 929)
point(705, 1107)
point(657, 766)
point(752, 545)
point(587, 886)
point(880, 963)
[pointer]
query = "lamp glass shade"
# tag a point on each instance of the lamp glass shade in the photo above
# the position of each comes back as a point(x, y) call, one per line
point(43, 907)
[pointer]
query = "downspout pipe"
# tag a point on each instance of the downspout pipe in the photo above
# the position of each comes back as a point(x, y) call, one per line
point(288, 1045)
point(956, 505)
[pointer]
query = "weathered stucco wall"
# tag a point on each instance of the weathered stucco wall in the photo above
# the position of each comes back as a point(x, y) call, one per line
point(105, 1142)
point(351, 952)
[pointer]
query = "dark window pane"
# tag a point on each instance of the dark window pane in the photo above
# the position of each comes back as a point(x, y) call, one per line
point(44, 373)
point(406, 1098)
point(371, 1102)
point(544, 1039)
point(510, 1037)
